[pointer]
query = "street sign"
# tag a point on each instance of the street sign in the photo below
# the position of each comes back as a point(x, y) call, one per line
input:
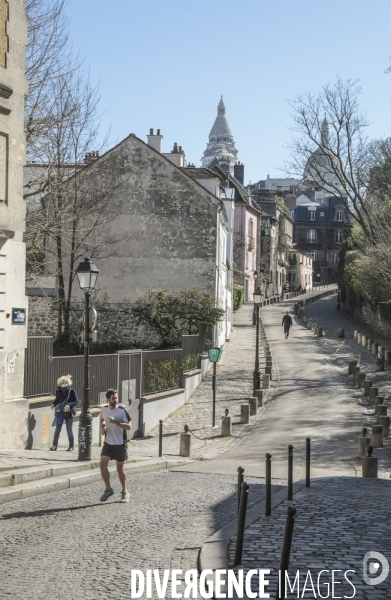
point(214, 354)
point(93, 318)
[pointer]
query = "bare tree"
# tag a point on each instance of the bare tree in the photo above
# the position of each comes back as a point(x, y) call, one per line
point(332, 149)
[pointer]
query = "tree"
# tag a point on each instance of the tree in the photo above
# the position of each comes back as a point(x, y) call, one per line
point(332, 150)
point(171, 315)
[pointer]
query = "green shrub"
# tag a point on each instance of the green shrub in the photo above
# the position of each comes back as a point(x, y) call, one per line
point(190, 362)
point(238, 297)
point(165, 374)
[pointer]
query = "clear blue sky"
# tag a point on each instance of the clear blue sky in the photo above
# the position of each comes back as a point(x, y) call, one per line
point(165, 63)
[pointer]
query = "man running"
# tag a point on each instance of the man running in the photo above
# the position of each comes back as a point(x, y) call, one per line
point(114, 423)
point(287, 323)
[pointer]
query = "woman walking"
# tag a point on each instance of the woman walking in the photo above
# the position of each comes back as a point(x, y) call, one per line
point(65, 405)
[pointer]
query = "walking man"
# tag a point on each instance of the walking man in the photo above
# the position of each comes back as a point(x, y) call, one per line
point(287, 323)
point(114, 423)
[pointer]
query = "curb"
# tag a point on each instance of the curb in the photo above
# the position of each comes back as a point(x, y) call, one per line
point(54, 484)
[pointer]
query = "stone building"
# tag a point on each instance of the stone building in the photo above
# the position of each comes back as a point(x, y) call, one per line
point(13, 302)
point(166, 229)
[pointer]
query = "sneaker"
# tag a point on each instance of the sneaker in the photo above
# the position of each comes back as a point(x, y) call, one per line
point(125, 496)
point(53, 448)
point(106, 495)
point(70, 449)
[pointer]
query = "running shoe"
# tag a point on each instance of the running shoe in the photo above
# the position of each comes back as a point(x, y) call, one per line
point(106, 495)
point(125, 496)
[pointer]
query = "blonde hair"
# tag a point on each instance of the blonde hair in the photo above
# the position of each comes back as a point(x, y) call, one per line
point(64, 379)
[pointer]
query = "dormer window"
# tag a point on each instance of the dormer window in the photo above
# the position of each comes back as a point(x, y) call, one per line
point(311, 214)
point(339, 215)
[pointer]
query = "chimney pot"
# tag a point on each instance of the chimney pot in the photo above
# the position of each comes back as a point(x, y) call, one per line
point(158, 132)
point(151, 132)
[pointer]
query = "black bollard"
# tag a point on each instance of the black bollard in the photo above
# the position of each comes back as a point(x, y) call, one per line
point(285, 551)
point(160, 438)
point(290, 472)
point(240, 481)
point(241, 524)
point(268, 498)
point(307, 462)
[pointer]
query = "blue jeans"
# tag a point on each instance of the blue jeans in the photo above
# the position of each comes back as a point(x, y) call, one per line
point(69, 425)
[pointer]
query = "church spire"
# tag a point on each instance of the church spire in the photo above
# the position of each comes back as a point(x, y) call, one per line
point(325, 131)
point(221, 146)
point(221, 107)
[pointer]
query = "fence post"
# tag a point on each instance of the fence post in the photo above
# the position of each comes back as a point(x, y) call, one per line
point(268, 497)
point(290, 472)
point(160, 438)
point(285, 551)
point(241, 524)
point(307, 462)
point(240, 481)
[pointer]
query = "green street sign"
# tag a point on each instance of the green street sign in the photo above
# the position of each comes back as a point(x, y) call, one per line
point(214, 354)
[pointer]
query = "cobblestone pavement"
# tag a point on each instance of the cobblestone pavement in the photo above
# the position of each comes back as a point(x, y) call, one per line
point(67, 545)
point(338, 521)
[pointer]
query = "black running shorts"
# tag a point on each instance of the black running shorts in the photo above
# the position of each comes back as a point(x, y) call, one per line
point(118, 453)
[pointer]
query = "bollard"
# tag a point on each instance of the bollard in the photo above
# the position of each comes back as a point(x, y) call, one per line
point(359, 336)
point(240, 481)
point(245, 414)
point(381, 411)
point(369, 464)
point(185, 443)
point(253, 402)
point(367, 386)
point(355, 335)
point(307, 461)
point(384, 421)
point(387, 357)
point(259, 395)
point(361, 380)
point(268, 497)
point(369, 344)
point(241, 524)
point(379, 364)
point(226, 425)
point(265, 381)
point(160, 438)
point(268, 371)
point(373, 392)
point(379, 400)
point(375, 348)
point(341, 332)
point(355, 373)
point(351, 364)
point(364, 340)
point(381, 352)
point(377, 436)
point(363, 442)
point(319, 332)
point(290, 472)
point(285, 552)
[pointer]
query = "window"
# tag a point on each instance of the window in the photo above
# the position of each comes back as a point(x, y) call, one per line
point(339, 237)
point(251, 228)
point(311, 236)
point(293, 277)
point(293, 214)
point(335, 258)
point(246, 259)
point(253, 261)
point(236, 224)
point(311, 214)
point(318, 197)
point(339, 215)
point(313, 254)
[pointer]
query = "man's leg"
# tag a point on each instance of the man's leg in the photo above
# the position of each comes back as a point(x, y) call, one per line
point(121, 475)
point(104, 461)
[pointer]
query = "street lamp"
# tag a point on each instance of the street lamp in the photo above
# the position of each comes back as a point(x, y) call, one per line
point(257, 374)
point(87, 274)
point(255, 276)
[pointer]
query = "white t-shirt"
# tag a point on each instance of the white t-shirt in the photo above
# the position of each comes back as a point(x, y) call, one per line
point(114, 434)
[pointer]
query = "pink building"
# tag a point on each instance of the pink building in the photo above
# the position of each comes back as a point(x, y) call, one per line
point(246, 218)
point(300, 270)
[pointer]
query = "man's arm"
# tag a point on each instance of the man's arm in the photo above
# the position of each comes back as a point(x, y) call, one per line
point(102, 427)
point(121, 425)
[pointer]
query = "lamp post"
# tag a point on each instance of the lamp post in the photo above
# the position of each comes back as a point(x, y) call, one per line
point(214, 357)
point(87, 274)
point(257, 374)
point(255, 276)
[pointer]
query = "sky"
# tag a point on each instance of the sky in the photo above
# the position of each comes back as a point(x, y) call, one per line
point(165, 63)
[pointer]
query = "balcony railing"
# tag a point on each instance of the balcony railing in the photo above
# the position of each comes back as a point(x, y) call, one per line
point(250, 242)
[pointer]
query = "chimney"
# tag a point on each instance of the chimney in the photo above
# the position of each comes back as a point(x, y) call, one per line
point(176, 156)
point(239, 172)
point(155, 141)
point(91, 157)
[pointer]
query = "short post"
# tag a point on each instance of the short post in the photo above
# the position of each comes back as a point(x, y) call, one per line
point(369, 344)
point(268, 497)
point(265, 381)
point(285, 551)
point(369, 464)
point(259, 396)
point(387, 357)
point(351, 364)
point(381, 411)
point(384, 421)
point(377, 436)
point(307, 462)
point(240, 481)
point(290, 472)
point(160, 438)
point(379, 400)
point(359, 336)
point(355, 335)
point(341, 332)
point(226, 425)
point(319, 332)
point(355, 373)
point(253, 402)
point(373, 392)
point(375, 347)
point(241, 524)
point(363, 442)
point(379, 364)
point(361, 380)
point(364, 340)
point(245, 414)
point(367, 386)
point(185, 443)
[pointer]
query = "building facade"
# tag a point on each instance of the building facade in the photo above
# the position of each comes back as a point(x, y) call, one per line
point(300, 270)
point(13, 302)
